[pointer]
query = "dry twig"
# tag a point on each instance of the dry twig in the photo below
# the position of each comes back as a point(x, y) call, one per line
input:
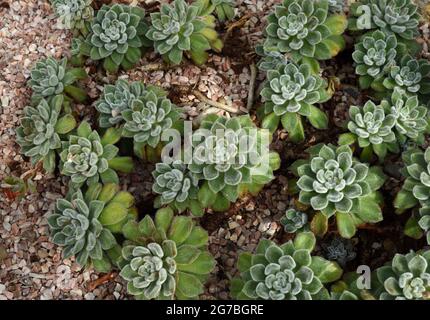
point(215, 104)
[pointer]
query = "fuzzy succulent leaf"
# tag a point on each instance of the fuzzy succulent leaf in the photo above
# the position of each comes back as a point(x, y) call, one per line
point(374, 55)
point(285, 272)
point(74, 225)
point(294, 220)
point(148, 117)
point(115, 99)
point(406, 277)
point(39, 133)
point(333, 181)
point(179, 28)
point(117, 35)
point(305, 28)
point(399, 17)
point(73, 14)
point(166, 257)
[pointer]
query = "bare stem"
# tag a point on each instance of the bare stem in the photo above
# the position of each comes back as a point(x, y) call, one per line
point(215, 104)
point(251, 91)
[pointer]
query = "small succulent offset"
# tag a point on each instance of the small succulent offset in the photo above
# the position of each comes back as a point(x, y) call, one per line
point(291, 91)
point(165, 258)
point(294, 220)
point(374, 56)
point(399, 17)
point(230, 155)
point(118, 205)
point(74, 14)
point(305, 28)
point(115, 99)
point(50, 77)
point(88, 158)
point(373, 128)
point(336, 6)
point(339, 250)
point(335, 183)
point(270, 60)
point(411, 75)
point(407, 277)
point(416, 188)
point(40, 131)
point(116, 36)
point(75, 225)
point(180, 27)
point(148, 117)
point(286, 272)
point(176, 186)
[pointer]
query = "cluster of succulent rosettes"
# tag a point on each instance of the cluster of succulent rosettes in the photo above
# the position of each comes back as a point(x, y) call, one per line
point(305, 28)
point(334, 182)
point(165, 258)
point(41, 129)
point(75, 225)
point(73, 14)
point(411, 75)
point(115, 99)
point(374, 56)
point(88, 158)
point(182, 28)
point(406, 277)
point(291, 91)
point(230, 157)
point(147, 117)
point(50, 77)
point(177, 187)
point(224, 9)
point(117, 36)
point(285, 272)
point(118, 205)
point(399, 17)
point(294, 220)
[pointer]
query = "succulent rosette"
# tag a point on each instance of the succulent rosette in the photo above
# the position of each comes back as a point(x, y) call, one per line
point(286, 272)
point(290, 92)
point(117, 36)
point(305, 28)
point(406, 277)
point(41, 129)
point(335, 183)
point(181, 28)
point(74, 14)
point(294, 220)
point(165, 258)
point(87, 158)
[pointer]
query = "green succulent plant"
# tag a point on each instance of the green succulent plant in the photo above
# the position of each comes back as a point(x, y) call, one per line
point(75, 226)
point(88, 158)
point(147, 118)
point(74, 14)
point(115, 99)
point(373, 128)
point(399, 17)
point(294, 220)
point(347, 289)
point(117, 36)
point(336, 6)
point(286, 272)
point(424, 221)
point(50, 77)
point(305, 28)
point(224, 9)
point(118, 205)
point(165, 258)
point(176, 186)
point(228, 158)
point(374, 56)
point(270, 60)
point(180, 27)
point(411, 75)
point(39, 134)
point(335, 183)
point(406, 277)
point(290, 92)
